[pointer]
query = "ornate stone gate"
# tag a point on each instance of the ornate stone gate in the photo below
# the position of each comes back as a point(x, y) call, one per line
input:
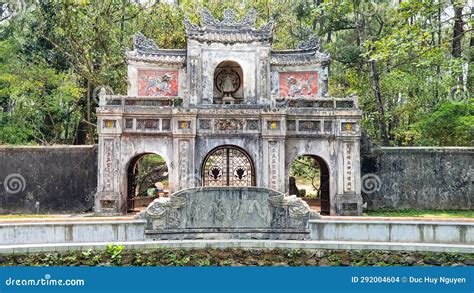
point(228, 87)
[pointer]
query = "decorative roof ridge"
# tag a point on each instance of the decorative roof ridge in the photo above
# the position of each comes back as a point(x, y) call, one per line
point(145, 47)
point(295, 51)
point(311, 45)
point(229, 23)
point(158, 52)
point(307, 52)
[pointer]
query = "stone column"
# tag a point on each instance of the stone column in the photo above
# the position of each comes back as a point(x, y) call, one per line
point(348, 199)
point(109, 199)
point(184, 134)
point(263, 75)
point(273, 135)
point(194, 67)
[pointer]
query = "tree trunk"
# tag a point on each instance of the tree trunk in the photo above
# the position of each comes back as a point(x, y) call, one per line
point(457, 32)
point(375, 82)
point(470, 69)
point(81, 133)
point(90, 131)
point(457, 38)
point(360, 24)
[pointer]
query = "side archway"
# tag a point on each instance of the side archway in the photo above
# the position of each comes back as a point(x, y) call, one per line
point(311, 173)
point(147, 178)
point(228, 165)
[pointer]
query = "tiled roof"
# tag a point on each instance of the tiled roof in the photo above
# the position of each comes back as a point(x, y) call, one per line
point(242, 36)
point(146, 50)
point(298, 57)
point(171, 57)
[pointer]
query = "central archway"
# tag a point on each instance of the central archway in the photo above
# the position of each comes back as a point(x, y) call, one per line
point(228, 165)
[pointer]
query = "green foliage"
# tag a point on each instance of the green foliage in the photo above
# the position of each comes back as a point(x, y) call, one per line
point(150, 169)
point(305, 169)
point(175, 260)
point(41, 102)
point(452, 124)
point(238, 257)
point(115, 253)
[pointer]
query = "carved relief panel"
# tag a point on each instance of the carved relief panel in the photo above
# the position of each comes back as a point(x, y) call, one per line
point(273, 149)
point(110, 166)
point(348, 167)
point(183, 162)
point(298, 84)
point(158, 83)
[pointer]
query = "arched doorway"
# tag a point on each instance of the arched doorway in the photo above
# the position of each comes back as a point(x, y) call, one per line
point(311, 174)
point(147, 179)
point(228, 166)
point(228, 83)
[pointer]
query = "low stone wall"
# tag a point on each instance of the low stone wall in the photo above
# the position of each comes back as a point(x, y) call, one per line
point(324, 234)
point(54, 179)
point(418, 178)
point(72, 232)
point(393, 231)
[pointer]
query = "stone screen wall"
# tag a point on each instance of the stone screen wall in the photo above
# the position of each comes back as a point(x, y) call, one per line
point(57, 179)
point(63, 179)
point(418, 178)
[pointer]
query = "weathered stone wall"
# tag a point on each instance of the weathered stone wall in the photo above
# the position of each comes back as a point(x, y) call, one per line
point(418, 178)
point(56, 179)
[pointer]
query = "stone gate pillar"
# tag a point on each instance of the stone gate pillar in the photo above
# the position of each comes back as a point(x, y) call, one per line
point(273, 135)
point(108, 199)
point(184, 134)
point(348, 200)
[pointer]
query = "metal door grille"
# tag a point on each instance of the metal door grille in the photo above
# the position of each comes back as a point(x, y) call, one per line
point(228, 166)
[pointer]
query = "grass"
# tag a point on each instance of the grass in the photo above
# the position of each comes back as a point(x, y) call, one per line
point(422, 213)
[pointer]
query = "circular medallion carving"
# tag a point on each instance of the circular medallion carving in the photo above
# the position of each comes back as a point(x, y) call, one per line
point(227, 81)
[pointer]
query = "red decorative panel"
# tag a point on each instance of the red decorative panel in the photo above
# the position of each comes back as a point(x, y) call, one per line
point(157, 83)
point(296, 84)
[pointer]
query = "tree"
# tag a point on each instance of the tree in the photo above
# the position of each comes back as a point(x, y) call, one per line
point(38, 102)
point(452, 124)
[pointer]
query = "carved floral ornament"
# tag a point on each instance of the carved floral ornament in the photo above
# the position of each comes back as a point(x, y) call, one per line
point(229, 20)
point(144, 44)
point(145, 49)
point(229, 124)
